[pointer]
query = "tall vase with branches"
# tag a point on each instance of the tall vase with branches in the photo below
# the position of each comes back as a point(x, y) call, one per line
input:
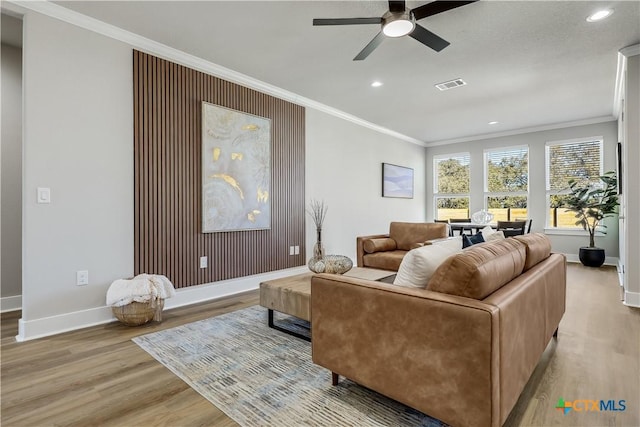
point(318, 210)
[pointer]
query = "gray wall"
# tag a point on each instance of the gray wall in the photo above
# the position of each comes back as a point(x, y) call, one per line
point(11, 277)
point(344, 167)
point(78, 141)
point(568, 244)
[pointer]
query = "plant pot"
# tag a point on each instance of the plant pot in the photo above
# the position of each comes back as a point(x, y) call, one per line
point(591, 257)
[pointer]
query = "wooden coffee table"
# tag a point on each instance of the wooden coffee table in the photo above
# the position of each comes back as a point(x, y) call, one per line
point(292, 295)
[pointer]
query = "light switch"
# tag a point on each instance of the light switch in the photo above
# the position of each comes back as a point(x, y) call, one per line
point(44, 195)
point(297, 250)
point(82, 277)
point(204, 262)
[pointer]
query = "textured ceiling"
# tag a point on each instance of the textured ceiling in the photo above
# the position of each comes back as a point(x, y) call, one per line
point(527, 63)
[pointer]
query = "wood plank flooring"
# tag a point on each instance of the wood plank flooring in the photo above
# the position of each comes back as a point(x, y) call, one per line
point(99, 377)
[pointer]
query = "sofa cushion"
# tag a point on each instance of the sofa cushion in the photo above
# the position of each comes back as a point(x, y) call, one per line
point(538, 248)
point(480, 270)
point(379, 245)
point(389, 260)
point(407, 233)
point(419, 264)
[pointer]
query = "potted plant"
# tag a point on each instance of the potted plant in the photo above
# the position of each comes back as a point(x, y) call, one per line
point(592, 204)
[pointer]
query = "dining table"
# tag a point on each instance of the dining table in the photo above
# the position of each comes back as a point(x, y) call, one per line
point(473, 227)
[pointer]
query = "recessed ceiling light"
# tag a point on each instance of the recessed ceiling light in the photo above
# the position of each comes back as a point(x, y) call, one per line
point(599, 15)
point(376, 84)
point(493, 123)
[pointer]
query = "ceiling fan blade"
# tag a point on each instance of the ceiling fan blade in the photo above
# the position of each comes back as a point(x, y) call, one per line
point(438, 6)
point(396, 6)
point(346, 21)
point(370, 47)
point(429, 39)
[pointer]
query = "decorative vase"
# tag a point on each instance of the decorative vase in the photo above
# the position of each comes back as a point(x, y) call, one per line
point(591, 257)
point(318, 249)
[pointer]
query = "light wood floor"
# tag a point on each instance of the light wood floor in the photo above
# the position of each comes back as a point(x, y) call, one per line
point(98, 377)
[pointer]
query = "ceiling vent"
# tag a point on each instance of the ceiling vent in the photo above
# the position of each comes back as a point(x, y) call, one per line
point(451, 84)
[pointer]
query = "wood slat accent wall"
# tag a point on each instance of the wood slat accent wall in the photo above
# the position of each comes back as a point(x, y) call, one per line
point(167, 145)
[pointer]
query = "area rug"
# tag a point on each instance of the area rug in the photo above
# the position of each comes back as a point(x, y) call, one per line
point(259, 376)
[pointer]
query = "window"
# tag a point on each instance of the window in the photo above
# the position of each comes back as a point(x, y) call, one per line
point(451, 186)
point(575, 159)
point(507, 183)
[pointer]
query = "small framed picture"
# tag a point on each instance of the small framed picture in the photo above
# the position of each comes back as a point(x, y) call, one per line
point(397, 181)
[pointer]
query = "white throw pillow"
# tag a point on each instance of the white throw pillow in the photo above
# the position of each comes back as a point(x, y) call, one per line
point(487, 231)
point(496, 235)
point(419, 264)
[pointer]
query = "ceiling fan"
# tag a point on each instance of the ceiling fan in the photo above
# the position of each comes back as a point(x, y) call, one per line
point(399, 21)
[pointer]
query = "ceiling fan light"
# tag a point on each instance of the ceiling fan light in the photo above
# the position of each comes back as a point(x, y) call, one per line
point(398, 28)
point(397, 24)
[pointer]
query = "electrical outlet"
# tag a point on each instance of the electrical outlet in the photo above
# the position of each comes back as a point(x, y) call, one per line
point(204, 262)
point(292, 250)
point(297, 250)
point(82, 277)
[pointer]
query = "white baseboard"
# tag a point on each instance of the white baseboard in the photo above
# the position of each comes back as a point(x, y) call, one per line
point(12, 303)
point(632, 299)
point(38, 328)
point(610, 260)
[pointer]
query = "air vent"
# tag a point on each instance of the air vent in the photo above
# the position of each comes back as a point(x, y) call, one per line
point(451, 84)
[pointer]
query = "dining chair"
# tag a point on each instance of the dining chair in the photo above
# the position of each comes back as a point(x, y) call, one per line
point(527, 225)
point(458, 220)
point(511, 228)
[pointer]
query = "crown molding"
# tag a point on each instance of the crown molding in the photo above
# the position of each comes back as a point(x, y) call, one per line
point(163, 51)
point(562, 125)
point(632, 50)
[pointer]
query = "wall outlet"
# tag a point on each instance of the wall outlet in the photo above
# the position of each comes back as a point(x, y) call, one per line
point(82, 277)
point(204, 262)
point(297, 250)
point(292, 250)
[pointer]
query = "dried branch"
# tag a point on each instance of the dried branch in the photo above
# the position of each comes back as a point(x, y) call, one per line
point(317, 211)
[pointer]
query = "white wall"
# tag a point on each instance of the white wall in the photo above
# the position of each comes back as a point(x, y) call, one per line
point(11, 278)
point(568, 244)
point(631, 186)
point(78, 131)
point(344, 167)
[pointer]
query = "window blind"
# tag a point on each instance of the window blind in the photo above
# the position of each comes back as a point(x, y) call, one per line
point(576, 160)
point(451, 174)
point(507, 169)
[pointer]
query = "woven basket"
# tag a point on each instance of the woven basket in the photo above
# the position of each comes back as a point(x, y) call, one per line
point(139, 313)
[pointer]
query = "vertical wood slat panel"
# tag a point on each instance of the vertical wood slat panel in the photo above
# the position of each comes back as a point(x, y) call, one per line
point(168, 236)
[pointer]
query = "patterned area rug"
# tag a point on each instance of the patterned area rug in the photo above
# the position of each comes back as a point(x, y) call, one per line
point(259, 376)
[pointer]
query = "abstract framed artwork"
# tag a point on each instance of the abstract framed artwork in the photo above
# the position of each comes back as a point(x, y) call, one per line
point(236, 170)
point(397, 181)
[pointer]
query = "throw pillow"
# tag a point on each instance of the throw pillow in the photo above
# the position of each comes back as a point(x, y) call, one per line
point(379, 245)
point(497, 235)
point(471, 240)
point(487, 231)
point(418, 265)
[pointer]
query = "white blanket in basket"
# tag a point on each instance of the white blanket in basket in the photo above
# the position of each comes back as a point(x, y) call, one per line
point(142, 288)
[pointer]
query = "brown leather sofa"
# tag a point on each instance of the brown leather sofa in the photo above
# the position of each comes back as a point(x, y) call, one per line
point(462, 349)
point(385, 251)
